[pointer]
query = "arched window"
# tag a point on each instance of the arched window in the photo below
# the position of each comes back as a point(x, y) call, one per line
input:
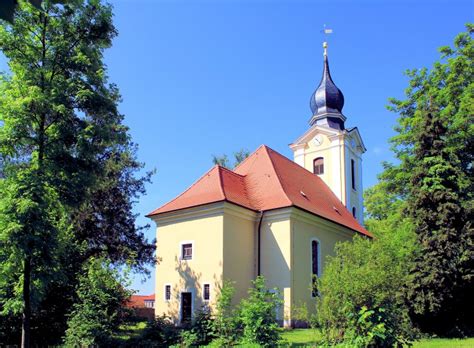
point(314, 265)
point(318, 166)
point(354, 211)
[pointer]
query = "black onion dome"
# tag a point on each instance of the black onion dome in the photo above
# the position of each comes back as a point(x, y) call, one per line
point(327, 98)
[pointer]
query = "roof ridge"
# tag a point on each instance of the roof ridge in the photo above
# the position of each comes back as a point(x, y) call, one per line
point(239, 176)
point(276, 172)
point(246, 158)
point(231, 171)
point(189, 188)
point(221, 183)
point(322, 181)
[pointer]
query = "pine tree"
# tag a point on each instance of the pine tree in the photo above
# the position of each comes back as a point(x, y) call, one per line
point(441, 282)
point(434, 180)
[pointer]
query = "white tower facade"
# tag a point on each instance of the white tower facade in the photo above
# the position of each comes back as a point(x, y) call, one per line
point(331, 151)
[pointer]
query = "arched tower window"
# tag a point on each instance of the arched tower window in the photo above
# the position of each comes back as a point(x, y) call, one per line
point(354, 211)
point(314, 265)
point(318, 166)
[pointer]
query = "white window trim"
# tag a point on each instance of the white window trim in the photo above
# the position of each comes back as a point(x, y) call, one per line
point(210, 296)
point(311, 262)
point(180, 252)
point(164, 292)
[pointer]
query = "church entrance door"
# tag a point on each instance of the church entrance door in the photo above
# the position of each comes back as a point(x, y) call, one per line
point(186, 307)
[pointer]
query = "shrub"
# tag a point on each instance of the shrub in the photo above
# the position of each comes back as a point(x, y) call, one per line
point(362, 290)
point(98, 313)
point(373, 328)
point(189, 338)
point(225, 325)
point(258, 315)
point(203, 326)
point(160, 332)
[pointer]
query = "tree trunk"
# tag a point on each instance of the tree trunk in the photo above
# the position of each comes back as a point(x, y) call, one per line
point(25, 328)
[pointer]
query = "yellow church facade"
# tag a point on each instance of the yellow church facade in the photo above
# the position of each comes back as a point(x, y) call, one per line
point(224, 239)
point(270, 216)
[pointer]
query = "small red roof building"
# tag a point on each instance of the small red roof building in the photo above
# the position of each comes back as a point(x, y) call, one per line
point(141, 301)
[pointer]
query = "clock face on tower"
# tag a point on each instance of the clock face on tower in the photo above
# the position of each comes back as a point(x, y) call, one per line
point(318, 140)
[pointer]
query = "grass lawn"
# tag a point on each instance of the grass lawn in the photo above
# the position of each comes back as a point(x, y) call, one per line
point(444, 342)
point(301, 336)
point(307, 337)
point(130, 330)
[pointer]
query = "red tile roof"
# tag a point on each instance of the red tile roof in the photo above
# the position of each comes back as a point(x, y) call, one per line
point(266, 180)
point(138, 301)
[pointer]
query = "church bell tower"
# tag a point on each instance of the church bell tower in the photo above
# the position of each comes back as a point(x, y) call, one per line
point(329, 149)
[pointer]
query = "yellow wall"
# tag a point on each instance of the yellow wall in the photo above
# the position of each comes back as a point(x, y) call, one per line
point(206, 232)
point(276, 255)
point(224, 240)
point(337, 150)
point(239, 251)
point(306, 227)
point(223, 237)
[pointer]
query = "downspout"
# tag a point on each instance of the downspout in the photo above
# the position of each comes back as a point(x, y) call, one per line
point(259, 241)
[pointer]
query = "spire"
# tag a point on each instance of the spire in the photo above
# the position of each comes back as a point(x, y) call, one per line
point(327, 100)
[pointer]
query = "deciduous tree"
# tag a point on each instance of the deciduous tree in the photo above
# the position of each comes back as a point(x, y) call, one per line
point(68, 165)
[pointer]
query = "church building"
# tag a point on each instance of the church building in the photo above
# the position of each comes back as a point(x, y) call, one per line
point(270, 216)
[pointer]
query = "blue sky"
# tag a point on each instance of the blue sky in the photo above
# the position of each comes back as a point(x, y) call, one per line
point(211, 77)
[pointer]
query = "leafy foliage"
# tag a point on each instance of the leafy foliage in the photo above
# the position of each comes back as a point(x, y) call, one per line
point(160, 332)
point(98, 312)
point(441, 282)
point(435, 177)
point(225, 318)
point(202, 327)
point(373, 328)
point(224, 161)
point(68, 166)
point(368, 274)
point(8, 7)
point(258, 315)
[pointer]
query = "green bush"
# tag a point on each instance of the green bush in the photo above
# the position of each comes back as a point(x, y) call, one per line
point(98, 313)
point(189, 338)
point(257, 315)
point(361, 291)
point(225, 325)
point(373, 328)
point(160, 332)
point(203, 326)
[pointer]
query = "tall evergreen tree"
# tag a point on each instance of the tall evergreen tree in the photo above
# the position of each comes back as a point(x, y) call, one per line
point(435, 181)
point(67, 162)
point(441, 282)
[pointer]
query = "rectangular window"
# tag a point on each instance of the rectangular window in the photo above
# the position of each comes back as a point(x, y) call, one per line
point(353, 174)
point(167, 292)
point(207, 292)
point(187, 251)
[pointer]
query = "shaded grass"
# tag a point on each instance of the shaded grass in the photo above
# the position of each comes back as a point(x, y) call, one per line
point(310, 337)
point(130, 330)
point(305, 338)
